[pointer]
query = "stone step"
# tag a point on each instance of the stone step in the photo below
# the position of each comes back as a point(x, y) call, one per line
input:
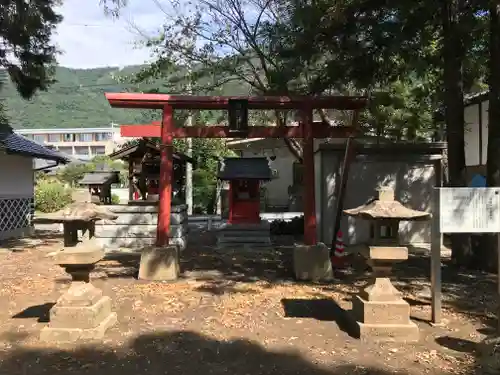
point(123, 230)
point(264, 226)
point(254, 249)
point(243, 234)
point(244, 240)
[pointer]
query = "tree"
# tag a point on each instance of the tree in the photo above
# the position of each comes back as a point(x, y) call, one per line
point(27, 53)
point(489, 256)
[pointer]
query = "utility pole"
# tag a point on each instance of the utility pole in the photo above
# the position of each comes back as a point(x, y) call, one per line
point(189, 152)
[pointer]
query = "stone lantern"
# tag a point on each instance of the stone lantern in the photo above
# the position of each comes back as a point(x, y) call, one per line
point(379, 310)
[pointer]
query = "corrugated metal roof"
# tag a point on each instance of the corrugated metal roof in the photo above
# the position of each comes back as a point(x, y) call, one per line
point(16, 144)
point(244, 168)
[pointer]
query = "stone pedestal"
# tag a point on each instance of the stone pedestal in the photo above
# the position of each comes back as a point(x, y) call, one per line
point(160, 263)
point(82, 313)
point(380, 312)
point(312, 263)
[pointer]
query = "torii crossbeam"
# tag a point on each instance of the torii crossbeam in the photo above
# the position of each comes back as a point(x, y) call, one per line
point(306, 130)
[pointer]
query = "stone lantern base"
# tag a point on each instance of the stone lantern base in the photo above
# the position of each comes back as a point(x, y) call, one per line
point(380, 312)
point(82, 313)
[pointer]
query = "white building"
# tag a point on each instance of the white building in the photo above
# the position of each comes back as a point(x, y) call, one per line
point(17, 182)
point(476, 132)
point(80, 143)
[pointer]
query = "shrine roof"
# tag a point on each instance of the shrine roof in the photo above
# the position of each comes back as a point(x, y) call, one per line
point(158, 101)
point(100, 177)
point(143, 146)
point(244, 168)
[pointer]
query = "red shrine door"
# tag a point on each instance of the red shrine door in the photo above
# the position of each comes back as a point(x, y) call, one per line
point(244, 203)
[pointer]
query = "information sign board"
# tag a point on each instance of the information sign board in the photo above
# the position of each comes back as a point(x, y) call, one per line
point(469, 210)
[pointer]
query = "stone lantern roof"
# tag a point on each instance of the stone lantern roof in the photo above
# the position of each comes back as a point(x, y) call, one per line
point(386, 208)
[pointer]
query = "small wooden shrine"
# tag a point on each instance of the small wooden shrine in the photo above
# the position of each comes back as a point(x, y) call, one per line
point(380, 312)
point(99, 183)
point(244, 176)
point(143, 160)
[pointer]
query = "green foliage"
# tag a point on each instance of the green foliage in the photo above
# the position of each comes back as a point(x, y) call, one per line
point(115, 199)
point(204, 189)
point(27, 52)
point(51, 195)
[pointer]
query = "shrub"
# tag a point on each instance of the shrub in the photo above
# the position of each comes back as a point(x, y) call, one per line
point(51, 196)
point(115, 199)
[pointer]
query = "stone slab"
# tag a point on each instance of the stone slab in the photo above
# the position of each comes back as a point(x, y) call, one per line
point(87, 252)
point(388, 332)
point(374, 312)
point(84, 317)
point(66, 335)
point(381, 253)
point(159, 263)
point(312, 263)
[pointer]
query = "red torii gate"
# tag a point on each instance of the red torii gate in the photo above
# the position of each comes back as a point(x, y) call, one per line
point(167, 131)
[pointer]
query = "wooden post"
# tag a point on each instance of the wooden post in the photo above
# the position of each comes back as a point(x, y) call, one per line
point(130, 179)
point(309, 178)
point(340, 186)
point(166, 171)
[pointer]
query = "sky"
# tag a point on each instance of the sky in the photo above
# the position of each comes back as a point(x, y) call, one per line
point(88, 38)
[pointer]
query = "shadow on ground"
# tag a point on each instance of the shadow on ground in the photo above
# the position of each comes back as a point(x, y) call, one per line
point(48, 238)
point(41, 312)
point(182, 353)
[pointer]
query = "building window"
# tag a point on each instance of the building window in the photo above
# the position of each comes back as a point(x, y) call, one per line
point(98, 150)
point(85, 137)
point(68, 137)
point(102, 136)
point(298, 173)
point(54, 137)
point(66, 150)
point(40, 138)
point(82, 151)
point(29, 136)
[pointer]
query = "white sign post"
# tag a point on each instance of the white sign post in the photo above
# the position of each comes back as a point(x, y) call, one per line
point(460, 210)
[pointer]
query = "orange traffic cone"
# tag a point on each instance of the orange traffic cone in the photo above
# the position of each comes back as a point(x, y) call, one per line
point(338, 260)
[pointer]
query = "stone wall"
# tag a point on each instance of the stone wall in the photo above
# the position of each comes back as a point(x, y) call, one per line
point(136, 227)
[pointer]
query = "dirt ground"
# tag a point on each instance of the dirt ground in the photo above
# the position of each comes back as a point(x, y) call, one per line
point(234, 312)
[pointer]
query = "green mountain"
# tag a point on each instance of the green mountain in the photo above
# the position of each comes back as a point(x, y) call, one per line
point(75, 100)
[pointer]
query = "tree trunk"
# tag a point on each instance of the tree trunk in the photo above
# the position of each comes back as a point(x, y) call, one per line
point(487, 258)
point(453, 56)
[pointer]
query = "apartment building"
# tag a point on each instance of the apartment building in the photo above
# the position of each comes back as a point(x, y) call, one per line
point(81, 143)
